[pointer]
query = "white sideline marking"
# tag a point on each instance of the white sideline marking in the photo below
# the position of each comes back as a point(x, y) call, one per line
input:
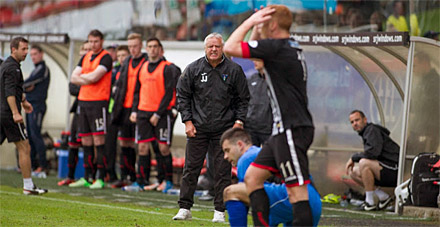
point(388, 216)
point(159, 200)
point(101, 205)
point(352, 211)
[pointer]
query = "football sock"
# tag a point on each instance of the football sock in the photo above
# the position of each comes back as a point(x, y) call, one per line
point(168, 161)
point(237, 212)
point(260, 207)
point(302, 214)
point(27, 183)
point(381, 194)
point(72, 161)
point(369, 197)
point(88, 162)
point(101, 161)
point(143, 175)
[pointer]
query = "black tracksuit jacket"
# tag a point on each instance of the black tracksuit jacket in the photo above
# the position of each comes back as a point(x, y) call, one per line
point(212, 98)
point(377, 145)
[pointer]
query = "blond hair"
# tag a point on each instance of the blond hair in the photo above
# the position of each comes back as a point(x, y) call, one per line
point(134, 36)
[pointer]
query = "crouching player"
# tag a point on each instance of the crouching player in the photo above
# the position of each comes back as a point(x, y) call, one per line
point(239, 151)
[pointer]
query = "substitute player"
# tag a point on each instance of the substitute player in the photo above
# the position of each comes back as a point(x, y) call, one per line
point(154, 97)
point(93, 74)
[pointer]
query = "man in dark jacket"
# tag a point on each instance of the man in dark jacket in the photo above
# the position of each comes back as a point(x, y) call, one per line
point(377, 165)
point(36, 87)
point(259, 116)
point(212, 96)
point(11, 120)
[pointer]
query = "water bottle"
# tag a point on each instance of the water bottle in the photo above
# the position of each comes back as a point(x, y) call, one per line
point(173, 191)
point(131, 188)
point(344, 202)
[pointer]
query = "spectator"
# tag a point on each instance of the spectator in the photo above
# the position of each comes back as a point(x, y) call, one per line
point(259, 115)
point(93, 74)
point(356, 20)
point(239, 151)
point(285, 151)
point(377, 165)
point(11, 121)
point(376, 21)
point(74, 140)
point(398, 22)
point(432, 35)
point(36, 87)
point(424, 114)
point(212, 97)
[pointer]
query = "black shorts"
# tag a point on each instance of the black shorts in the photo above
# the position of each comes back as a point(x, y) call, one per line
point(127, 129)
point(388, 175)
point(92, 120)
point(74, 139)
point(146, 132)
point(14, 132)
point(286, 154)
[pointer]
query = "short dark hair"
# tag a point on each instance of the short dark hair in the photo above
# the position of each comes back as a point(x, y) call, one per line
point(111, 47)
point(96, 33)
point(234, 135)
point(37, 47)
point(358, 111)
point(155, 39)
point(16, 41)
point(122, 47)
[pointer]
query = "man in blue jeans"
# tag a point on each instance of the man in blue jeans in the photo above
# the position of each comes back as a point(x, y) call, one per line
point(36, 86)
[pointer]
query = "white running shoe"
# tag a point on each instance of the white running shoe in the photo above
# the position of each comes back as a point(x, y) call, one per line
point(183, 214)
point(218, 216)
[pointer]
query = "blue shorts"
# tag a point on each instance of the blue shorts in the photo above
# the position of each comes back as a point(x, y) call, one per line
point(281, 208)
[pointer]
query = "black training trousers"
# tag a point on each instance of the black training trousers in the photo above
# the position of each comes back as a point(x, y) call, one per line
point(196, 149)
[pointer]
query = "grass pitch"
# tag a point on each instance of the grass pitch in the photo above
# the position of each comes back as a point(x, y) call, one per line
point(64, 206)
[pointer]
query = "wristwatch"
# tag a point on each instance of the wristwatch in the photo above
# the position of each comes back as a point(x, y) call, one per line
point(239, 122)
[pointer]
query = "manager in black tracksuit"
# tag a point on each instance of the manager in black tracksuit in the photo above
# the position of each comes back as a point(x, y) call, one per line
point(212, 96)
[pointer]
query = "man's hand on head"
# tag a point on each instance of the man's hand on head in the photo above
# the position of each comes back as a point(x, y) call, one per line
point(261, 16)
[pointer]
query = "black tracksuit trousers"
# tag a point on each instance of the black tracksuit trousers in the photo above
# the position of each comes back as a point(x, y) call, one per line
point(196, 149)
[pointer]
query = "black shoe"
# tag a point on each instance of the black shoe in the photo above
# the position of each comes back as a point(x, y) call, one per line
point(367, 207)
point(385, 203)
point(34, 191)
point(206, 197)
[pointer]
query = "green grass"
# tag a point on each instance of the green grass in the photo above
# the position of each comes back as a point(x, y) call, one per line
point(56, 209)
point(64, 206)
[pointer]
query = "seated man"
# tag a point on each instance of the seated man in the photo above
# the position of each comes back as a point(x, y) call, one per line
point(377, 165)
point(239, 151)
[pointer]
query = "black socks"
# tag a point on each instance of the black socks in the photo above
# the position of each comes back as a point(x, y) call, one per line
point(89, 169)
point(260, 207)
point(72, 161)
point(302, 214)
point(143, 174)
point(101, 161)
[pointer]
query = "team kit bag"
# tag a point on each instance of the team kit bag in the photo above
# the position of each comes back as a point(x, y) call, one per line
point(423, 186)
